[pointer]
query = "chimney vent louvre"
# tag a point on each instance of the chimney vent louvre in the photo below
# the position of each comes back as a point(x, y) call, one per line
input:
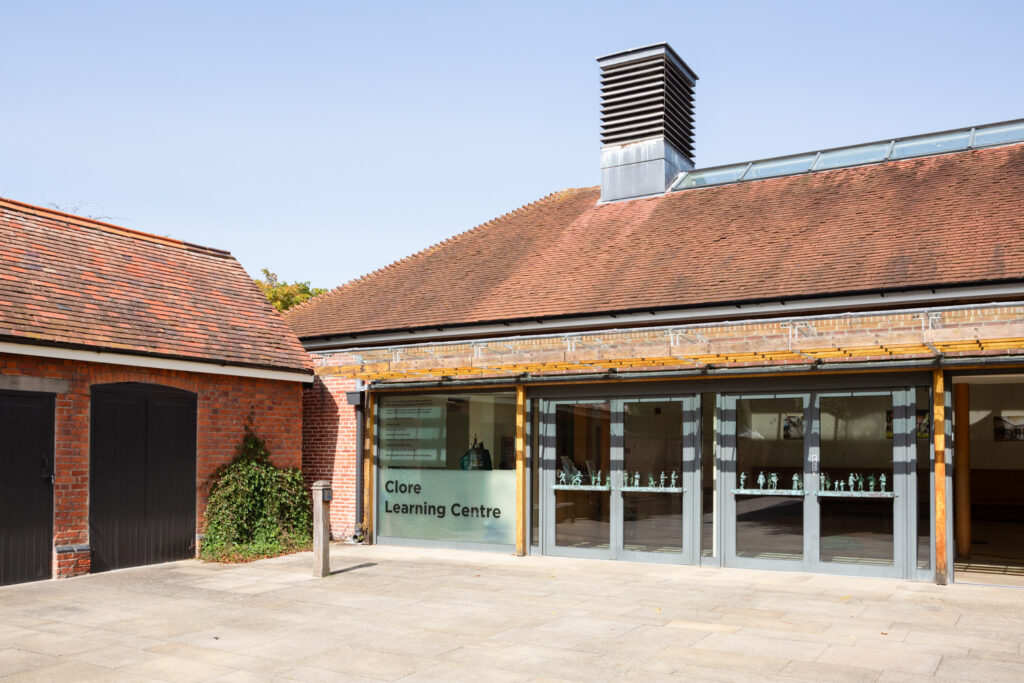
point(646, 121)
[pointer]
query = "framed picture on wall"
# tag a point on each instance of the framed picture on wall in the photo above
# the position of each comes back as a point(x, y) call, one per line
point(792, 426)
point(922, 428)
point(1008, 427)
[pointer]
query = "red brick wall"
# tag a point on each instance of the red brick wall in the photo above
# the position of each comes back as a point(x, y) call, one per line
point(223, 405)
point(329, 443)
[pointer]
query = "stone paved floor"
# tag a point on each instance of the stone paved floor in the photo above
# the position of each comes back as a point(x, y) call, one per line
point(394, 613)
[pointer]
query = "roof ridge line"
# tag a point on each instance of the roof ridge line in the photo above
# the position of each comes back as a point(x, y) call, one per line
point(422, 252)
point(84, 221)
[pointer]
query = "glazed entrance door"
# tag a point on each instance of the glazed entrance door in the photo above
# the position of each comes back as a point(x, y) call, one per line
point(578, 503)
point(659, 484)
point(765, 461)
point(818, 482)
point(618, 479)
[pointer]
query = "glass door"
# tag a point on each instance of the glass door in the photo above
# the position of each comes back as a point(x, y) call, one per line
point(658, 479)
point(862, 493)
point(617, 479)
point(576, 479)
point(765, 458)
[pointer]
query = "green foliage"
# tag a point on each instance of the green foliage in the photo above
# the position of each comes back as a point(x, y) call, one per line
point(284, 295)
point(255, 509)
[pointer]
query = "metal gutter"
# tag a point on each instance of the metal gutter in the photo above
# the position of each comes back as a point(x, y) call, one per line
point(154, 362)
point(731, 313)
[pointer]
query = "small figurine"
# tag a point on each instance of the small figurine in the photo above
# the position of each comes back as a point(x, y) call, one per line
point(882, 480)
point(596, 481)
point(743, 480)
point(774, 482)
point(673, 483)
point(577, 479)
point(796, 482)
point(650, 481)
point(761, 481)
point(871, 482)
point(851, 480)
point(661, 480)
point(821, 482)
point(561, 478)
point(636, 480)
point(842, 485)
point(835, 485)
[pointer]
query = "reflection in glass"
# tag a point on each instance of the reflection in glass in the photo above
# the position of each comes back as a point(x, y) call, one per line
point(582, 447)
point(447, 467)
point(653, 448)
point(857, 456)
point(924, 479)
point(769, 456)
point(933, 144)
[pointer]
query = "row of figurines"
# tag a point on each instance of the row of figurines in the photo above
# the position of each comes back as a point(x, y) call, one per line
point(628, 479)
point(856, 481)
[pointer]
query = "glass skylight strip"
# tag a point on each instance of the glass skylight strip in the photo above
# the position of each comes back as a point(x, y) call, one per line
point(900, 148)
point(853, 156)
point(932, 144)
point(1000, 134)
point(777, 167)
point(714, 176)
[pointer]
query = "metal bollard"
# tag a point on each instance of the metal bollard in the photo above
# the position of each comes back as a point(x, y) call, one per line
point(322, 495)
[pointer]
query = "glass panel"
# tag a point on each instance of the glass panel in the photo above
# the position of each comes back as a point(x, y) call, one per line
point(1001, 134)
point(769, 459)
point(852, 156)
point(715, 176)
point(857, 467)
point(930, 145)
point(535, 473)
point(777, 167)
point(653, 459)
point(447, 467)
point(708, 474)
point(924, 479)
point(583, 458)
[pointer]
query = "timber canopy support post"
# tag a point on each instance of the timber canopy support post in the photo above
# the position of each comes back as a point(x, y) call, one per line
point(939, 416)
point(962, 468)
point(368, 474)
point(520, 470)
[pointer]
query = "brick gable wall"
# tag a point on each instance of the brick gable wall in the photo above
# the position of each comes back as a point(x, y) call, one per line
point(329, 442)
point(223, 404)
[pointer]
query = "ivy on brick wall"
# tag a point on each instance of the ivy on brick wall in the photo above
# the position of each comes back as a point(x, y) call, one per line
point(256, 509)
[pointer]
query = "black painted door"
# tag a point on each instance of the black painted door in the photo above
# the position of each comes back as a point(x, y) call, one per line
point(142, 498)
point(26, 487)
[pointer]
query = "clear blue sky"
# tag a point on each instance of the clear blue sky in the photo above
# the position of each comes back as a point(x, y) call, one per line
point(325, 140)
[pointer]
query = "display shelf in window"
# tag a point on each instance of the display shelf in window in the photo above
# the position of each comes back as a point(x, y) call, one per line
point(580, 487)
point(793, 493)
point(856, 494)
point(653, 489)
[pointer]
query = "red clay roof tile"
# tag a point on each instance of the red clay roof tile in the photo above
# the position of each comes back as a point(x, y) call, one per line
point(933, 221)
point(73, 281)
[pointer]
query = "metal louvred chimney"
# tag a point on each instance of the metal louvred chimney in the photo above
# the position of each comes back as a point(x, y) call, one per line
point(646, 121)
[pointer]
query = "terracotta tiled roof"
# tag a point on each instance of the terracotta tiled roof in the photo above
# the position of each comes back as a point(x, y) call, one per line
point(941, 220)
point(73, 281)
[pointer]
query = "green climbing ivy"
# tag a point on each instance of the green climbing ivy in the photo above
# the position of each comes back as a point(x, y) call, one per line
point(255, 509)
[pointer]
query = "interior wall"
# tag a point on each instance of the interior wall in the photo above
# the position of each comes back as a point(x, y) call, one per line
point(997, 467)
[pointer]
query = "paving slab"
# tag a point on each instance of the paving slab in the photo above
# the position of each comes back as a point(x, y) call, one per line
point(395, 613)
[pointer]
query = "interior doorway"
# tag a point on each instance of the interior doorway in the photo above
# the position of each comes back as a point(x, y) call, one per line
point(989, 479)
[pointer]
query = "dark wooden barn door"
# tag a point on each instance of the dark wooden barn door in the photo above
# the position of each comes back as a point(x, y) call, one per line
point(26, 487)
point(142, 499)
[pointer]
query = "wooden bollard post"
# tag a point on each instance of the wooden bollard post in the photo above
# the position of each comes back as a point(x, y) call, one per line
point(322, 495)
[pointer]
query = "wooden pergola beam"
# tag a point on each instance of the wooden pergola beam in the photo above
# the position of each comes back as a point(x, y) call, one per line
point(939, 417)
